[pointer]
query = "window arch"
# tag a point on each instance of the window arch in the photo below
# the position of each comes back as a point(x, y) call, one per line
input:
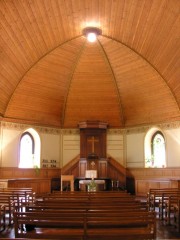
point(158, 149)
point(155, 154)
point(29, 149)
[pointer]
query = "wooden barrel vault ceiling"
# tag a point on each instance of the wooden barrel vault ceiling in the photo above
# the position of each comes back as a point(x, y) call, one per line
point(51, 75)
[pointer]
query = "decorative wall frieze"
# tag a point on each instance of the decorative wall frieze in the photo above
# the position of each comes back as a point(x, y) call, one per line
point(116, 131)
point(58, 131)
point(172, 125)
point(52, 131)
point(137, 130)
point(16, 126)
point(70, 131)
point(163, 126)
point(23, 127)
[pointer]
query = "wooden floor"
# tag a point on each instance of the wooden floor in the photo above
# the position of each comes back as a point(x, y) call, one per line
point(166, 232)
point(163, 232)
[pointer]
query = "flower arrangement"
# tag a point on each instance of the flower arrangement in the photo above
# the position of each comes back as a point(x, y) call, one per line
point(92, 186)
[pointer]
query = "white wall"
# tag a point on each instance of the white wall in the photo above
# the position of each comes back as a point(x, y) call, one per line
point(10, 142)
point(173, 147)
point(135, 145)
point(56, 144)
point(70, 145)
point(135, 150)
point(50, 147)
point(126, 146)
point(116, 146)
point(10, 147)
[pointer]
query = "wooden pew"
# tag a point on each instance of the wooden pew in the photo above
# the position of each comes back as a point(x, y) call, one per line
point(178, 216)
point(23, 193)
point(167, 206)
point(2, 217)
point(14, 198)
point(91, 205)
point(174, 208)
point(101, 194)
point(115, 212)
point(120, 225)
point(86, 225)
point(93, 202)
point(89, 195)
point(160, 199)
point(9, 206)
point(154, 196)
point(104, 207)
point(50, 225)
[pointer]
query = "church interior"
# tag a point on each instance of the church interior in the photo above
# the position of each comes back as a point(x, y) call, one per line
point(90, 116)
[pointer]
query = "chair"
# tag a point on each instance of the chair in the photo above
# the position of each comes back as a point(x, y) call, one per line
point(69, 179)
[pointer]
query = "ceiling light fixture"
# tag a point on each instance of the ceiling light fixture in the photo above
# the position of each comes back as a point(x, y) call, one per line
point(91, 33)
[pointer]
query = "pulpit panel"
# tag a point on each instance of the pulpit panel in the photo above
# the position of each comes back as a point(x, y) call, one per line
point(93, 147)
point(93, 140)
point(82, 168)
point(102, 168)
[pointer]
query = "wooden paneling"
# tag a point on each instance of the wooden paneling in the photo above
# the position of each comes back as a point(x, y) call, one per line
point(14, 173)
point(116, 172)
point(100, 165)
point(93, 139)
point(150, 173)
point(146, 178)
point(38, 185)
point(102, 169)
point(82, 167)
point(39, 180)
point(143, 186)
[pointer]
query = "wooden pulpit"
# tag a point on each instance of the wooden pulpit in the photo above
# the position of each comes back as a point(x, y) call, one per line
point(93, 147)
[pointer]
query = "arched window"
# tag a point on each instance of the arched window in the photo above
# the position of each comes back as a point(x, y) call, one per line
point(158, 149)
point(26, 151)
point(155, 154)
point(29, 149)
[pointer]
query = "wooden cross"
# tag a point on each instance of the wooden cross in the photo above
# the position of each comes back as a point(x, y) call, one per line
point(93, 140)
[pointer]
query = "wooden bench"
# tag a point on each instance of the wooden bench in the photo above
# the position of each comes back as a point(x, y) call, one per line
point(155, 194)
point(14, 198)
point(174, 211)
point(122, 217)
point(86, 225)
point(160, 199)
point(89, 195)
point(2, 217)
point(168, 203)
point(91, 205)
point(9, 206)
point(24, 193)
point(177, 215)
point(116, 203)
point(124, 207)
point(50, 225)
point(120, 225)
